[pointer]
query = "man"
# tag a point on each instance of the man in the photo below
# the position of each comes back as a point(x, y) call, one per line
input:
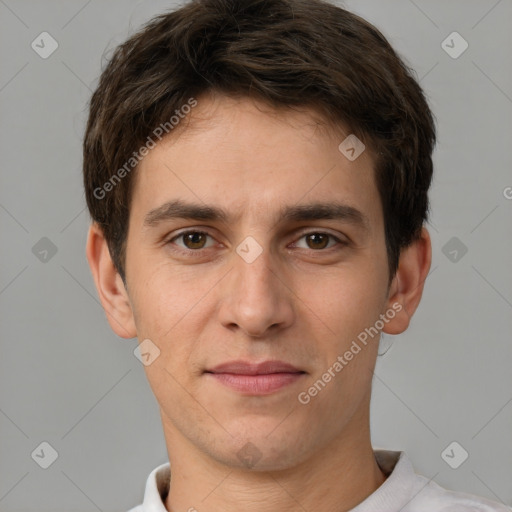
point(257, 173)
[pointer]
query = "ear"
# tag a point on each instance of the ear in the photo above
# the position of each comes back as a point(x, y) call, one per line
point(110, 286)
point(407, 285)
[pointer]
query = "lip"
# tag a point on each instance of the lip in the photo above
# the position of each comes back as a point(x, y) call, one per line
point(256, 378)
point(247, 368)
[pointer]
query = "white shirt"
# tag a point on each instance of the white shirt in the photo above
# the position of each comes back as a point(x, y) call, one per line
point(403, 491)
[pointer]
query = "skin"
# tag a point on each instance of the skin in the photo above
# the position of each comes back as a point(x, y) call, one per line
point(301, 300)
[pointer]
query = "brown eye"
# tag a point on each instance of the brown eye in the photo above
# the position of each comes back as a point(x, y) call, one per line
point(194, 239)
point(191, 240)
point(317, 240)
point(320, 240)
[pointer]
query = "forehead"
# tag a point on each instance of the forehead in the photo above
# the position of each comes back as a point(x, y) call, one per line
point(249, 158)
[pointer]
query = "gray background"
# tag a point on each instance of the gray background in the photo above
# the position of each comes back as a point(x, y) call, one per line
point(65, 378)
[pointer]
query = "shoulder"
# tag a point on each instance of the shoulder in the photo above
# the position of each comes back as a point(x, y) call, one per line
point(408, 491)
point(432, 496)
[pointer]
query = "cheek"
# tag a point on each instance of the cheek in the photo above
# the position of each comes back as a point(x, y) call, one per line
point(343, 302)
point(168, 308)
point(163, 295)
point(345, 306)
point(171, 306)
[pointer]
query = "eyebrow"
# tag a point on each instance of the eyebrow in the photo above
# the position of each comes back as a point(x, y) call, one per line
point(179, 209)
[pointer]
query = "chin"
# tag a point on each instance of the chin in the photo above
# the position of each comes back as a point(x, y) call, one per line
point(262, 447)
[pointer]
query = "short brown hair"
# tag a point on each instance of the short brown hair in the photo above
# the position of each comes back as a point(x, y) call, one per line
point(282, 52)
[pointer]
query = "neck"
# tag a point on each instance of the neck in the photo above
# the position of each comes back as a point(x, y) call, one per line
point(335, 479)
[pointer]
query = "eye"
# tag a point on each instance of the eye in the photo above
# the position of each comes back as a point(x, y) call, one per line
point(192, 240)
point(319, 240)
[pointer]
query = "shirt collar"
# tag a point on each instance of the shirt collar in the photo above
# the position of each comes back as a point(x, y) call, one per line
point(395, 492)
point(157, 488)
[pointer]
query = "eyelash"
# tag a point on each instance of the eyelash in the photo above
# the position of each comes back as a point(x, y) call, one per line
point(197, 252)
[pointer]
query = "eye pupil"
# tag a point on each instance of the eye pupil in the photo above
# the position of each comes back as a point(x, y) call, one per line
point(193, 238)
point(316, 237)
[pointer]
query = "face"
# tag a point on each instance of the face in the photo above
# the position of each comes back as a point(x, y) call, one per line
point(249, 310)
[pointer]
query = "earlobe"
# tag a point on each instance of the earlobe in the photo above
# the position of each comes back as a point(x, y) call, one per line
point(111, 290)
point(407, 286)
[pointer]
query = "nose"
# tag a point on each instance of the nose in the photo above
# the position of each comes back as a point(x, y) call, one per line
point(256, 295)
